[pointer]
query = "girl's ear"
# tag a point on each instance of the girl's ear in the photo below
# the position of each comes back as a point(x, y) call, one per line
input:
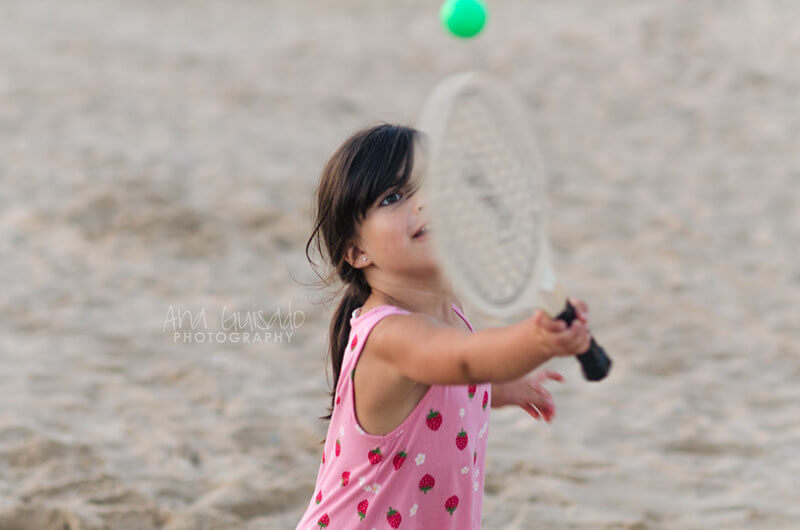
point(356, 257)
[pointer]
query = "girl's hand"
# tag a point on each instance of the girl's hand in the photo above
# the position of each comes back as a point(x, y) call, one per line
point(559, 340)
point(529, 394)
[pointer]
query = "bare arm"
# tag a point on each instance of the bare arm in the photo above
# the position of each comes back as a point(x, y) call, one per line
point(425, 351)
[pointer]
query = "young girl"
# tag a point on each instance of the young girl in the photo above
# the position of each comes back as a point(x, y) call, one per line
point(412, 382)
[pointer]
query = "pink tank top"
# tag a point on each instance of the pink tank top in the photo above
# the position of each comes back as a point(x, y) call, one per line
point(426, 473)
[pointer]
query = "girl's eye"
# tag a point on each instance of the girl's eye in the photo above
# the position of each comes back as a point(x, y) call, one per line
point(389, 197)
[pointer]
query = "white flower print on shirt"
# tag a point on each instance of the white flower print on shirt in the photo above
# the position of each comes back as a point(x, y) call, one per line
point(461, 412)
point(483, 430)
point(413, 510)
point(475, 486)
point(420, 459)
point(341, 430)
point(464, 470)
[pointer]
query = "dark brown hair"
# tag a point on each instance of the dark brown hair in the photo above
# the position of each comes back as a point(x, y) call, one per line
point(367, 165)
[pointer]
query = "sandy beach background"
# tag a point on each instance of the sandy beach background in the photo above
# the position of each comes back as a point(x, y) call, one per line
point(158, 158)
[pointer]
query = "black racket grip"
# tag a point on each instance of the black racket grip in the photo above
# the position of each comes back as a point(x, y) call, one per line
point(596, 364)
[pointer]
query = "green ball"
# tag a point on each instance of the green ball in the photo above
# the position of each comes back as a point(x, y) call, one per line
point(463, 18)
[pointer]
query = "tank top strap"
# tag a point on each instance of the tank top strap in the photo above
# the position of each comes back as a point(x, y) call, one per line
point(460, 314)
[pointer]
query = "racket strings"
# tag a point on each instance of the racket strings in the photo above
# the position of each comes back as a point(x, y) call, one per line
point(490, 208)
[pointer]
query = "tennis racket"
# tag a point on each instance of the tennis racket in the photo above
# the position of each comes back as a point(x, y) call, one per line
point(484, 186)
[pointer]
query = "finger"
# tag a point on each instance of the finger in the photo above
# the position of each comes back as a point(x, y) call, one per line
point(575, 332)
point(546, 403)
point(549, 374)
point(530, 409)
point(541, 399)
point(546, 412)
point(579, 339)
point(583, 342)
point(552, 326)
point(545, 406)
point(581, 310)
point(580, 305)
point(547, 321)
point(569, 340)
point(546, 415)
point(543, 321)
point(578, 326)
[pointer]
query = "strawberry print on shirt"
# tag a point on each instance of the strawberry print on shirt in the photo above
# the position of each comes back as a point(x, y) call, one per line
point(412, 477)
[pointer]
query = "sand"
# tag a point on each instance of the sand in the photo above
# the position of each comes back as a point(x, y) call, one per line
point(159, 158)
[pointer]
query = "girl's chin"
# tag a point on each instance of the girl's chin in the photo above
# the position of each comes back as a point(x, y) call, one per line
point(431, 266)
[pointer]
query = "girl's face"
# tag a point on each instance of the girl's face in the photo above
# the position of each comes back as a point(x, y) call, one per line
point(387, 234)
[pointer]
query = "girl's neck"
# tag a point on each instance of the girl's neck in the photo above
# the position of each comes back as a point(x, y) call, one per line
point(436, 303)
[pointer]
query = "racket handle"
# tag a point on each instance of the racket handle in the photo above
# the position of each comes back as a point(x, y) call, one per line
point(596, 364)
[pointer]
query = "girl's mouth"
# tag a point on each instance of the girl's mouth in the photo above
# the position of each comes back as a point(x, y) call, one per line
point(421, 233)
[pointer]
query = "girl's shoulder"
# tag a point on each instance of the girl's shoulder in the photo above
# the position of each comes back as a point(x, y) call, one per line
point(373, 322)
point(416, 345)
